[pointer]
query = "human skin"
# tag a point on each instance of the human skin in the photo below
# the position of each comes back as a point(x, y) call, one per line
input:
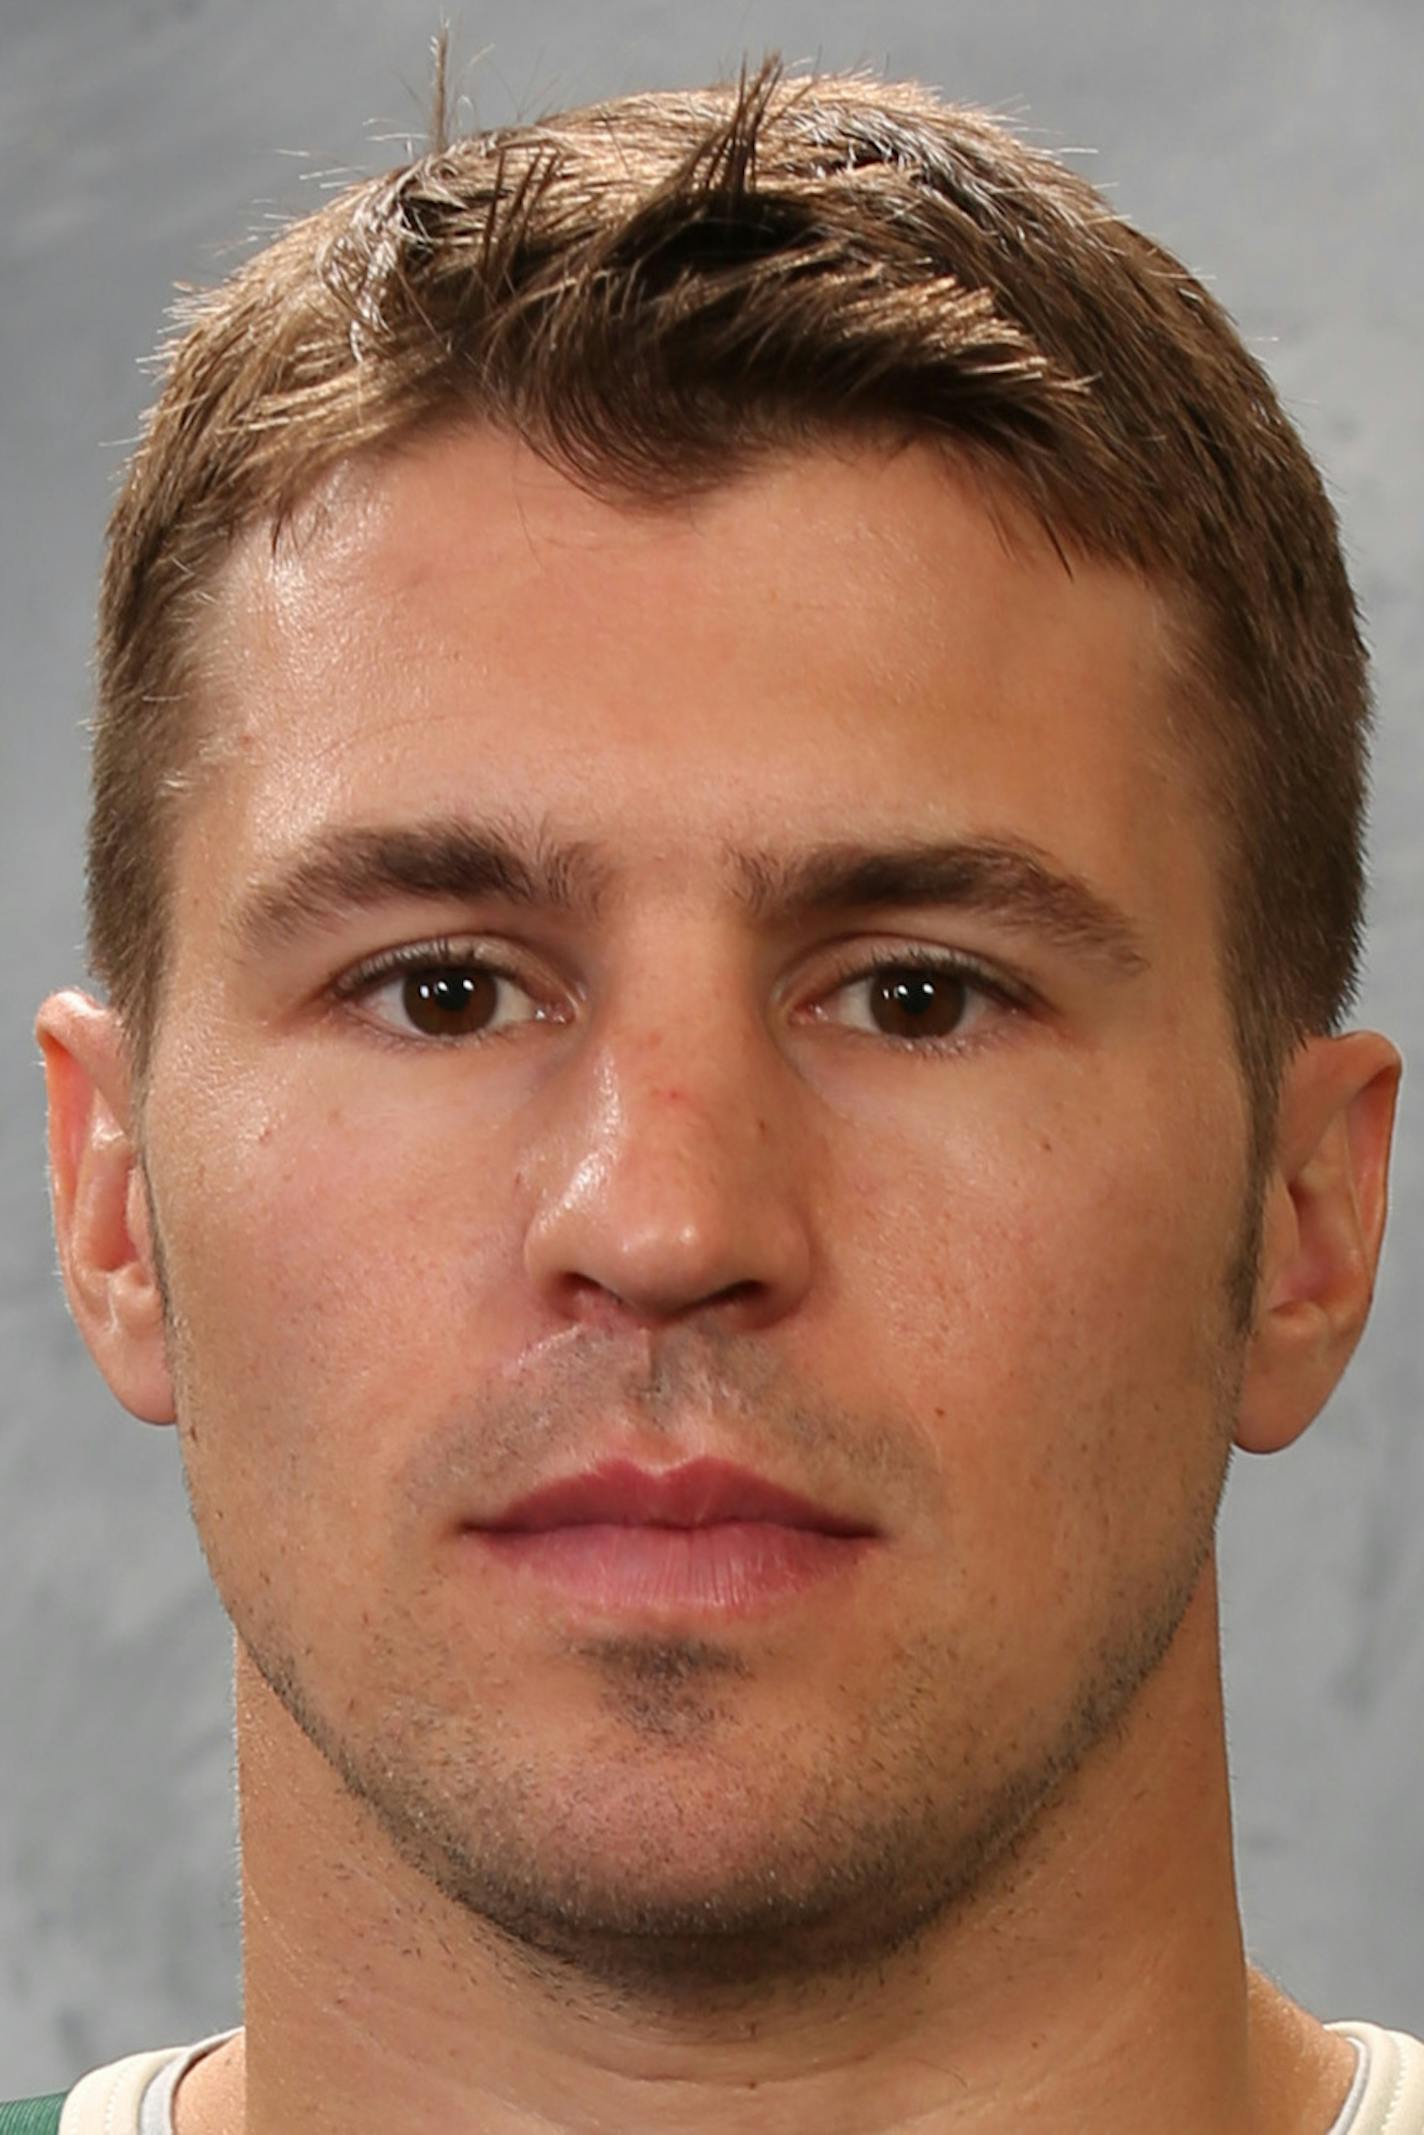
point(958, 1811)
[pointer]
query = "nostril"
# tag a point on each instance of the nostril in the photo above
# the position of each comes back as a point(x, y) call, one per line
point(592, 1301)
point(598, 1304)
point(736, 1293)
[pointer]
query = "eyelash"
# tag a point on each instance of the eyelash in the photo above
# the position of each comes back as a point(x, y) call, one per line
point(954, 965)
point(443, 953)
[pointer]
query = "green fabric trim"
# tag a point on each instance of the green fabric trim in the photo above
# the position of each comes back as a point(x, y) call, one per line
point(33, 2116)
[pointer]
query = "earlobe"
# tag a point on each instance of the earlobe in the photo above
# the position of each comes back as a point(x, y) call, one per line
point(101, 1216)
point(1322, 1228)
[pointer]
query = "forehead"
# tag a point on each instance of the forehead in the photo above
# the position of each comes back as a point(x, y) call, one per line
point(824, 643)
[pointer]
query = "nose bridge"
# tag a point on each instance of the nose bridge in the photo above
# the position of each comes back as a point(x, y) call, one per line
point(687, 1068)
point(675, 1185)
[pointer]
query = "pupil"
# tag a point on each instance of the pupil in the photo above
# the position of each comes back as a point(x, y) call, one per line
point(448, 1003)
point(918, 1004)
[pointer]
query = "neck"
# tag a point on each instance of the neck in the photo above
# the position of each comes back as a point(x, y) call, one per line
point(1097, 1980)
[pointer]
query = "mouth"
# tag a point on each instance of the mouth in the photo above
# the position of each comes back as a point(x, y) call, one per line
point(702, 1539)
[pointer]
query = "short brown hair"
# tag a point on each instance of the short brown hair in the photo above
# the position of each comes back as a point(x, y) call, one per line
point(654, 290)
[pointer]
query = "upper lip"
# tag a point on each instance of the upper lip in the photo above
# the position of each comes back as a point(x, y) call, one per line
point(699, 1493)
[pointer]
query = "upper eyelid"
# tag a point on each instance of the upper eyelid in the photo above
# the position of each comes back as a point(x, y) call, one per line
point(478, 948)
point(355, 990)
point(853, 960)
point(419, 955)
point(954, 963)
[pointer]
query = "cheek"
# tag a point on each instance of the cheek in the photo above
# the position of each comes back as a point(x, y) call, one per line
point(1049, 1308)
point(1057, 1345)
point(328, 1263)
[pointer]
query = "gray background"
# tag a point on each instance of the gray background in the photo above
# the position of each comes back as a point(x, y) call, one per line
point(1278, 148)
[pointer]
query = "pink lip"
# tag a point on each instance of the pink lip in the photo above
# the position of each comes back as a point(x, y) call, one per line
point(700, 1493)
point(705, 1538)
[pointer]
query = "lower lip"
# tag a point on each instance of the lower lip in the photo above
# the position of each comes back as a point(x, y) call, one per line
point(730, 1568)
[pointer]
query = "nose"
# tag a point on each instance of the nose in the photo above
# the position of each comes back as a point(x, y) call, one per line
point(672, 1185)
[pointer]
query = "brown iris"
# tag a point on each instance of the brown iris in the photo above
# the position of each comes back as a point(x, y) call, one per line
point(449, 1001)
point(909, 1003)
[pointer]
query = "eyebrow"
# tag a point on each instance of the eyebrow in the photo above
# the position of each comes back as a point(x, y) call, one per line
point(1003, 878)
point(349, 869)
point(448, 860)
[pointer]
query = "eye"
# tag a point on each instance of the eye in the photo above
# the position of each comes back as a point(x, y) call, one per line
point(915, 999)
point(433, 991)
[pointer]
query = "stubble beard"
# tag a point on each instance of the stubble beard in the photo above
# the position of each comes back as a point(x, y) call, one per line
point(867, 1840)
point(885, 1838)
point(894, 1825)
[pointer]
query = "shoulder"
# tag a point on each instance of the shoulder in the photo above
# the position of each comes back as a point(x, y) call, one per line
point(31, 2116)
point(1392, 2099)
point(105, 2102)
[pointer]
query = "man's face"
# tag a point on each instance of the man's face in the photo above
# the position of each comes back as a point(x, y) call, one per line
point(909, 1185)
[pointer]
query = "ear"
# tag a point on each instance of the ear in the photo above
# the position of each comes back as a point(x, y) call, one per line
point(101, 1214)
point(1322, 1225)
